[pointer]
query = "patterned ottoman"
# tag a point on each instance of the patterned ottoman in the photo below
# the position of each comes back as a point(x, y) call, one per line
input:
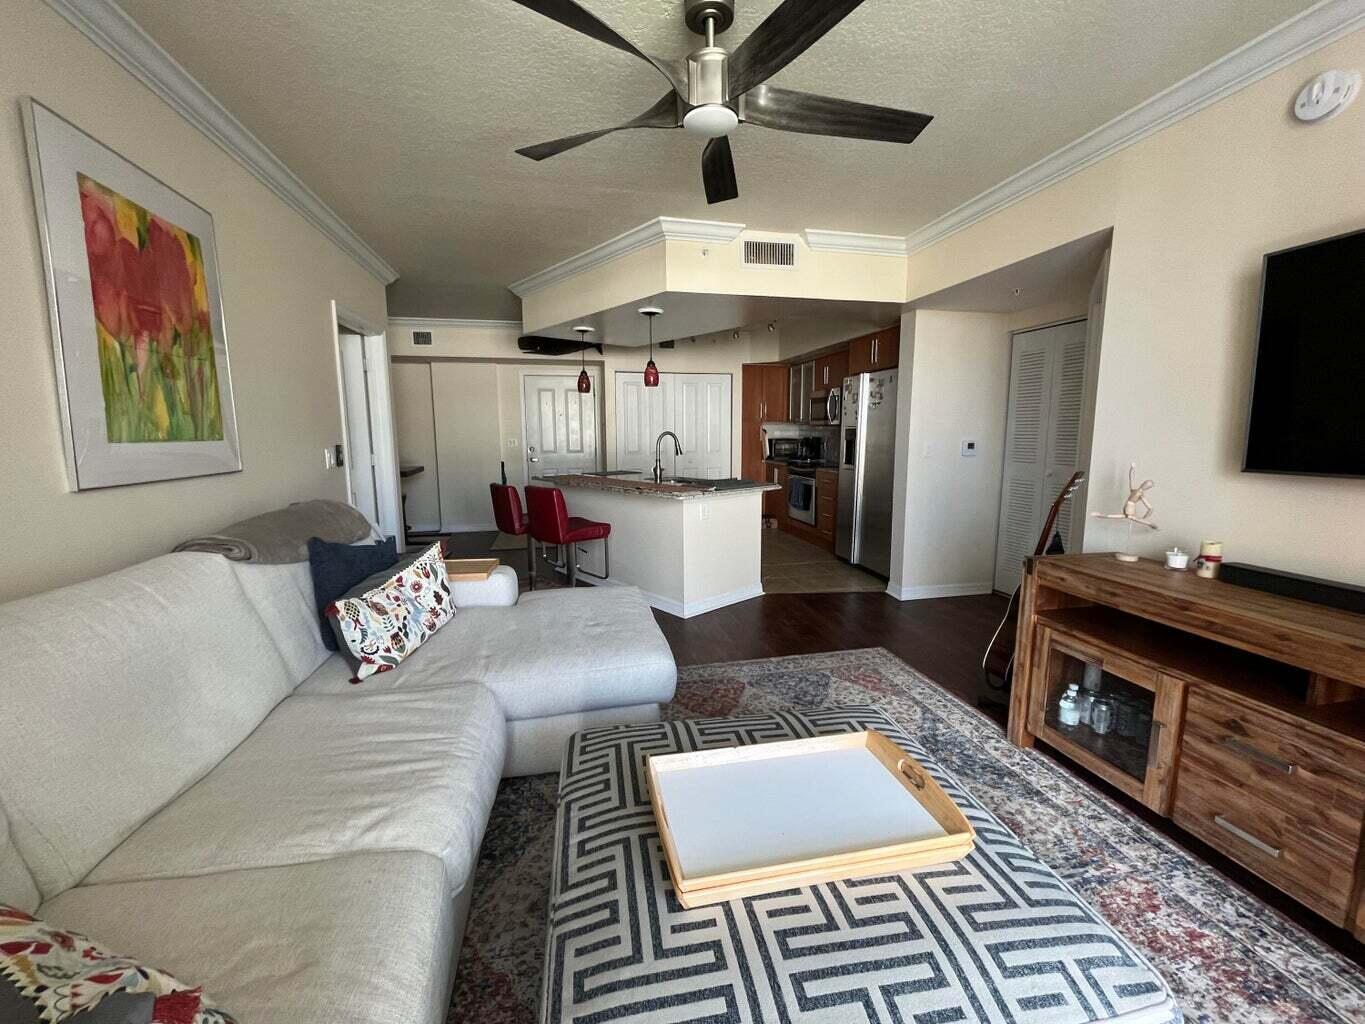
point(994, 937)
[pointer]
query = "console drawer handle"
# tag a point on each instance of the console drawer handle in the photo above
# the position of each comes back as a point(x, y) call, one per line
point(1259, 756)
point(1246, 837)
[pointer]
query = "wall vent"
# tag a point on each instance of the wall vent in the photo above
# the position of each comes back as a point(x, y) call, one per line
point(770, 254)
point(421, 337)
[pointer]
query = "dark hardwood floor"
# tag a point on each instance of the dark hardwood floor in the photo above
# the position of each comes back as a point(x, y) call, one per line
point(944, 639)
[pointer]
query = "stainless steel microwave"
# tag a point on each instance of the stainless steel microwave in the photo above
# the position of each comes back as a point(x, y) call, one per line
point(824, 408)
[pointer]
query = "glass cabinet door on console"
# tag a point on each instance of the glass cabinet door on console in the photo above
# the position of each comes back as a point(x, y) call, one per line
point(1115, 716)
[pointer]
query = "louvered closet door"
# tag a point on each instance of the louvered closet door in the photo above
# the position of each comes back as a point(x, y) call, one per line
point(1042, 440)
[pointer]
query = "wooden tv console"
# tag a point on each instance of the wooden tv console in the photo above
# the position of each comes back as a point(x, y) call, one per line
point(1238, 714)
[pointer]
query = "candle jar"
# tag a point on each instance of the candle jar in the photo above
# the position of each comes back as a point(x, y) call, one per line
point(1127, 721)
point(1102, 714)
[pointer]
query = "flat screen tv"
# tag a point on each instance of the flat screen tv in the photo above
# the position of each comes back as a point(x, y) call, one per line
point(1308, 393)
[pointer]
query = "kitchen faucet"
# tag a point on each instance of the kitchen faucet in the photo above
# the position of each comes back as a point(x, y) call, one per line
point(658, 457)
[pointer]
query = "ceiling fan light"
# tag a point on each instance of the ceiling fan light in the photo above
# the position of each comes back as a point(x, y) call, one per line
point(711, 120)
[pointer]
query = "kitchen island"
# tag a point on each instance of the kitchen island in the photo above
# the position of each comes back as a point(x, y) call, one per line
point(691, 546)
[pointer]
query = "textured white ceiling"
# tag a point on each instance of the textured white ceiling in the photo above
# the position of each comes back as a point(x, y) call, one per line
point(404, 116)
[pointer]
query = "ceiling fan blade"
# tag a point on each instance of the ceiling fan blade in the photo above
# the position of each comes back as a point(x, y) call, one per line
point(791, 111)
point(718, 171)
point(784, 35)
point(571, 15)
point(663, 114)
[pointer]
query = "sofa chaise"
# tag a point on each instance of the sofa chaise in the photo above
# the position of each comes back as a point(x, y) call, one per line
point(190, 778)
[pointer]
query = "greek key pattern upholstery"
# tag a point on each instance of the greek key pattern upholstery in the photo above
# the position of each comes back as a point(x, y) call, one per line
point(995, 937)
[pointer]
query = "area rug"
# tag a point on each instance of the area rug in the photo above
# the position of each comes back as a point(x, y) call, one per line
point(1228, 957)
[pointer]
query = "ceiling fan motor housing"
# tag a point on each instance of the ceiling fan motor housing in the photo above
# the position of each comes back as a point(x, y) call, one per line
point(695, 13)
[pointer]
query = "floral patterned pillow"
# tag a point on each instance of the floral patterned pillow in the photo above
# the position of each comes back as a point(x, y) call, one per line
point(48, 975)
point(384, 625)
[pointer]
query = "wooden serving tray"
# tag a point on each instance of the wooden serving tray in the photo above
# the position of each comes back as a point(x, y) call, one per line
point(742, 821)
point(470, 570)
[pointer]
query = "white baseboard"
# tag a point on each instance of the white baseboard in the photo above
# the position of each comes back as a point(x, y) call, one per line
point(710, 604)
point(690, 609)
point(937, 590)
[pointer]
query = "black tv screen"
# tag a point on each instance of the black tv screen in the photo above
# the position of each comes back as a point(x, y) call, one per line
point(1308, 395)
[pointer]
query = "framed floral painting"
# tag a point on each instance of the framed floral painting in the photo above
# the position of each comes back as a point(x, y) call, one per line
point(137, 318)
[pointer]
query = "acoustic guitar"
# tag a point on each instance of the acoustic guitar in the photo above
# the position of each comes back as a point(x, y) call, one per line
point(997, 667)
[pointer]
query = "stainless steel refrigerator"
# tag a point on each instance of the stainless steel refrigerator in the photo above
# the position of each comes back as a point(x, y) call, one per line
point(867, 467)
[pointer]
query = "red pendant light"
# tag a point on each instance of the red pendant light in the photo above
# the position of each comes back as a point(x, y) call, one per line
point(651, 371)
point(584, 381)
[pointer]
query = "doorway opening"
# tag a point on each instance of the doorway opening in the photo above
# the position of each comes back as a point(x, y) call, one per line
point(368, 451)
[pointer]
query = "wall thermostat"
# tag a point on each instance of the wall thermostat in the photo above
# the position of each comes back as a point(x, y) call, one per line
point(1327, 96)
point(968, 448)
point(421, 337)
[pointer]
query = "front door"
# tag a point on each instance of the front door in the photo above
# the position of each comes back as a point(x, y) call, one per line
point(560, 425)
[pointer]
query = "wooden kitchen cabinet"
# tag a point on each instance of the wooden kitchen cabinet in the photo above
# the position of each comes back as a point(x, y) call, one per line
point(830, 370)
point(826, 501)
point(763, 391)
point(776, 393)
point(879, 351)
point(775, 502)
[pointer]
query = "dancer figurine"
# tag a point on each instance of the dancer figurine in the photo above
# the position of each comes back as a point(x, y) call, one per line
point(1137, 500)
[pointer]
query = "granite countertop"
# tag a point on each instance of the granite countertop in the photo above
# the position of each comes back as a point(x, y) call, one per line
point(638, 484)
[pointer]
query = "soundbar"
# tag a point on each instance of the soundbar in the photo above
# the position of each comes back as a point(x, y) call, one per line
point(1345, 596)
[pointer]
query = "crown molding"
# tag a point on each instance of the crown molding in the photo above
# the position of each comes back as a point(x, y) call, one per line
point(851, 242)
point(1311, 30)
point(437, 321)
point(106, 25)
point(661, 229)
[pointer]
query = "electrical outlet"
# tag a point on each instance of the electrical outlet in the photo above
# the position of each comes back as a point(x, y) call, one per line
point(512, 442)
point(705, 510)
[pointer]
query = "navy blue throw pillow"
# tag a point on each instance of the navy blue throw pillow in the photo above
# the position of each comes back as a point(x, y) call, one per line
point(337, 568)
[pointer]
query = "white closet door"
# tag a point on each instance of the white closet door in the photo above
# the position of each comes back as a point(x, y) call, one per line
point(695, 406)
point(1042, 440)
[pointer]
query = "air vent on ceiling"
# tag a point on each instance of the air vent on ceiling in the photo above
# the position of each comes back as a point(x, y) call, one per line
point(770, 254)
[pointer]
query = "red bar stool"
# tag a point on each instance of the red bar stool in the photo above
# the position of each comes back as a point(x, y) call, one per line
point(552, 524)
point(510, 519)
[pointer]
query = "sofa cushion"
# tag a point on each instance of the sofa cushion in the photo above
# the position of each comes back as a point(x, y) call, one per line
point(336, 568)
point(328, 775)
point(118, 694)
point(283, 597)
point(49, 973)
point(556, 652)
point(382, 621)
point(17, 887)
point(359, 938)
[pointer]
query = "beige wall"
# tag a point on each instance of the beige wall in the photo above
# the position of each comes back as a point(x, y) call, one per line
point(953, 386)
point(482, 345)
point(1193, 208)
point(279, 275)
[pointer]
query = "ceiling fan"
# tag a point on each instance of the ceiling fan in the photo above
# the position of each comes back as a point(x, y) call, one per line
point(715, 90)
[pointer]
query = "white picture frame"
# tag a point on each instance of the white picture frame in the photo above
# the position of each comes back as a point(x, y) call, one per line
point(100, 451)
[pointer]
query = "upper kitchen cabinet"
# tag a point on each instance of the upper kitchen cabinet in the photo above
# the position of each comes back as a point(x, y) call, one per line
point(831, 370)
point(776, 393)
point(880, 351)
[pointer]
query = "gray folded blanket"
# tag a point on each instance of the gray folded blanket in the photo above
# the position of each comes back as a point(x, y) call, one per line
point(282, 536)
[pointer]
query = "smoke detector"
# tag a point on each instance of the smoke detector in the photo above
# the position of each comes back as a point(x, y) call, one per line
point(1327, 96)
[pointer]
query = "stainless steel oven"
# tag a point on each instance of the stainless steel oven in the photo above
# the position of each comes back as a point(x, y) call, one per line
point(801, 495)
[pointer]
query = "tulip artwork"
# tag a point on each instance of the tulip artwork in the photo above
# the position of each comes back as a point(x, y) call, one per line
point(157, 368)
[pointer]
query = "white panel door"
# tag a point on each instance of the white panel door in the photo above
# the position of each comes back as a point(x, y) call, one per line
point(1042, 440)
point(695, 406)
point(561, 425)
point(360, 444)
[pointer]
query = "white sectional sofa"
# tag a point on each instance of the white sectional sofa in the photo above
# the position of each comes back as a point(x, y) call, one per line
point(190, 778)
